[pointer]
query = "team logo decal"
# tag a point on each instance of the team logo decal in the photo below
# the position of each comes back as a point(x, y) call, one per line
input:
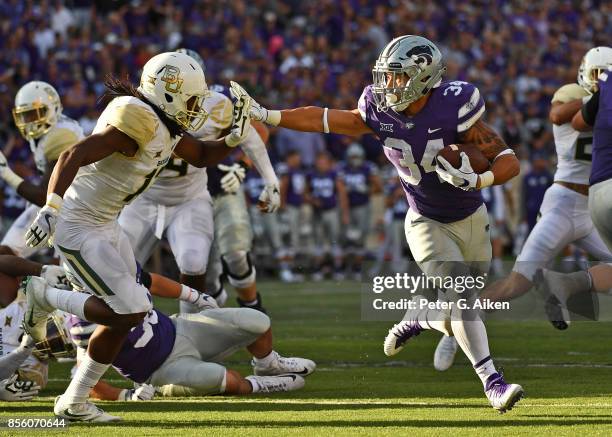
point(420, 55)
point(171, 77)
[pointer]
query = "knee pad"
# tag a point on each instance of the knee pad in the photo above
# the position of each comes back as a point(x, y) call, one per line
point(239, 268)
point(192, 262)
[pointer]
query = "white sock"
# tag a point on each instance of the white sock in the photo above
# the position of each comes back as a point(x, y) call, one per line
point(254, 384)
point(471, 336)
point(485, 369)
point(267, 360)
point(87, 375)
point(72, 302)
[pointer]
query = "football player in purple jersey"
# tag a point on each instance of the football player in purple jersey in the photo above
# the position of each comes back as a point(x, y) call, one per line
point(415, 114)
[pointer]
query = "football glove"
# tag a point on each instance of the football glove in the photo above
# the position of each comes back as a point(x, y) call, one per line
point(257, 112)
point(463, 177)
point(234, 176)
point(144, 392)
point(55, 276)
point(42, 228)
point(12, 390)
point(7, 174)
point(269, 199)
point(202, 301)
point(241, 120)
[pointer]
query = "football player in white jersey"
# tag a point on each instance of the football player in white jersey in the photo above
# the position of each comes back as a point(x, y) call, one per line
point(179, 204)
point(38, 116)
point(135, 137)
point(564, 212)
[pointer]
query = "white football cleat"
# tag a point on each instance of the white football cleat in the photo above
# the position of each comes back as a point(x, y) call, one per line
point(445, 353)
point(37, 308)
point(275, 384)
point(398, 335)
point(282, 365)
point(85, 412)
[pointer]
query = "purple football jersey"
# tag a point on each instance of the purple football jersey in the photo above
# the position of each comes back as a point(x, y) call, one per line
point(412, 143)
point(296, 183)
point(602, 132)
point(146, 348)
point(357, 181)
point(323, 188)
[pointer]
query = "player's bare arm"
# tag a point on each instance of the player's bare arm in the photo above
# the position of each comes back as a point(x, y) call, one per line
point(92, 149)
point(504, 164)
point(561, 113)
point(36, 194)
point(311, 119)
point(202, 153)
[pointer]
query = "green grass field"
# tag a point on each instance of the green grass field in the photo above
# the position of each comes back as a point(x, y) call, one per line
point(356, 390)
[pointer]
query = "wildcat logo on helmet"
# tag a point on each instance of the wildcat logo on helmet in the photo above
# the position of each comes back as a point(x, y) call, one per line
point(171, 77)
point(421, 54)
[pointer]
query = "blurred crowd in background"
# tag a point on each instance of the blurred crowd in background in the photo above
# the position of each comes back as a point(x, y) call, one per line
point(293, 53)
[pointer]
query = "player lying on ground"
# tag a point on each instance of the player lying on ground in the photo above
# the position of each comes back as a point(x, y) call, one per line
point(180, 354)
point(415, 115)
point(135, 137)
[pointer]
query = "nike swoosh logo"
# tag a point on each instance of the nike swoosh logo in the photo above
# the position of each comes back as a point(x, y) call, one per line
point(47, 217)
point(291, 376)
point(431, 131)
point(76, 416)
point(302, 372)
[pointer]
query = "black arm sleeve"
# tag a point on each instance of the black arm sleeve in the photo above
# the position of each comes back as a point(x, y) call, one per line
point(589, 109)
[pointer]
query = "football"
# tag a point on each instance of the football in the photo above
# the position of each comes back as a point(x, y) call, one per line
point(452, 153)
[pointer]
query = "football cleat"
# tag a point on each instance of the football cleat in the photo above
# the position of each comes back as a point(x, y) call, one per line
point(502, 396)
point(275, 384)
point(281, 365)
point(85, 412)
point(258, 305)
point(555, 311)
point(399, 335)
point(445, 353)
point(37, 308)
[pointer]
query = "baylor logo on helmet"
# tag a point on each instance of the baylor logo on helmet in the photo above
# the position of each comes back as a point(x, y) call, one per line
point(171, 77)
point(424, 54)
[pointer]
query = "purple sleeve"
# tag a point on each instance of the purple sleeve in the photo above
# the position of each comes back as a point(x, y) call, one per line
point(365, 103)
point(470, 104)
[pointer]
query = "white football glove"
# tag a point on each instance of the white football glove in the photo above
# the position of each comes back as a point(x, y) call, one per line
point(12, 390)
point(8, 174)
point(463, 177)
point(241, 120)
point(43, 227)
point(144, 392)
point(205, 302)
point(55, 276)
point(269, 198)
point(234, 176)
point(257, 112)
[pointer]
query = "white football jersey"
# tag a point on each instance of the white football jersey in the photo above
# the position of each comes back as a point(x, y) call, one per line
point(11, 330)
point(63, 135)
point(573, 147)
point(101, 189)
point(179, 181)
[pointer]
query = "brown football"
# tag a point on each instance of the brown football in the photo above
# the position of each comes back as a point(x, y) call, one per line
point(451, 153)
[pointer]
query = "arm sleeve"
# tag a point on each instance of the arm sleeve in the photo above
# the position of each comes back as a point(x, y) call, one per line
point(255, 149)
point(13, 361)
point(589, 109)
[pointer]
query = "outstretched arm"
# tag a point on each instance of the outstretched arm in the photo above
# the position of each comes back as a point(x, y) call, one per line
point(312, 118)
point(504, 163)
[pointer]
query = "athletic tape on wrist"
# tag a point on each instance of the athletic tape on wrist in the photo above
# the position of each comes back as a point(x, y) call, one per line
point(325, 122)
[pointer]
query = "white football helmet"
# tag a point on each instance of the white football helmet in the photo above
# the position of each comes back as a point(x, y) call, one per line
point(37, 108)
point(175, 83)
point(595, 62)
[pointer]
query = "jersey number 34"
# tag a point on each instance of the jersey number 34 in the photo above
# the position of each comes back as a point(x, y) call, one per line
point(427, 161)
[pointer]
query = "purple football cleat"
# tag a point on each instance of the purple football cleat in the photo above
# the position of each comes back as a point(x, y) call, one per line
point(502, 395)
point(399, 335)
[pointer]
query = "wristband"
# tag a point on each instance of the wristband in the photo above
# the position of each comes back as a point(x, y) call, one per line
point(486, 179)
point(325, 122)
point(11, 178)
point(188, 294)
point(273, 117)
point(54, 201)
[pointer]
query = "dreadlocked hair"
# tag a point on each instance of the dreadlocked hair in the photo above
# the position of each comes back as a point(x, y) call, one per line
point(116, 87)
